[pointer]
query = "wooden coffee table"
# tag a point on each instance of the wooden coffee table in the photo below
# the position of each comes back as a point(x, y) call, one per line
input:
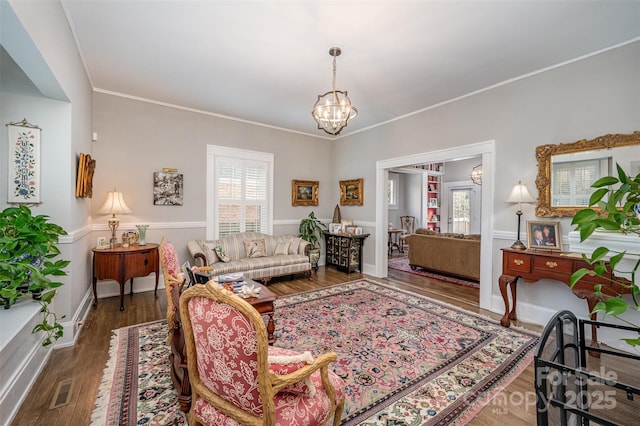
point(178, 356)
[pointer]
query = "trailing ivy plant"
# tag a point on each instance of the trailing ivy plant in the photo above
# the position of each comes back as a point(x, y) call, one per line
point(619, 201)
point(27, 249)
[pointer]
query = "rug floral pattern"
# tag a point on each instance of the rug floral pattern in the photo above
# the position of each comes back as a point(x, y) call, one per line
point(406, 359)
point(137, 387)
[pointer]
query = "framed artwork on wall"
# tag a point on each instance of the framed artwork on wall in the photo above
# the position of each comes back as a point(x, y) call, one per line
point(352, 192)
point(84, 180)
point(23, 163)
point(304, 192)
point(544, 235)
point(168, 189)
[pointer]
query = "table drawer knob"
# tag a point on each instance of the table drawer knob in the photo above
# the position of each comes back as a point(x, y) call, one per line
point(518, 262)
point(551, 264)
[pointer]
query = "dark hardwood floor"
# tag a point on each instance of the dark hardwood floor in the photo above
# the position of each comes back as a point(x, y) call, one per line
point(84, 363)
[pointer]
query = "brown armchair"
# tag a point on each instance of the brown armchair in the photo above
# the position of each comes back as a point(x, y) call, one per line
point(236, 377)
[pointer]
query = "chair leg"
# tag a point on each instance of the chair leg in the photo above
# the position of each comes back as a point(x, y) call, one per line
point(338, 414)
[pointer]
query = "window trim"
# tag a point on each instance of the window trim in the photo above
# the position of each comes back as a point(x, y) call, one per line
point(213, 151)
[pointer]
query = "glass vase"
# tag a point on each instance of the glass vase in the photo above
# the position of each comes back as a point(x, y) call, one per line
point(142, 232)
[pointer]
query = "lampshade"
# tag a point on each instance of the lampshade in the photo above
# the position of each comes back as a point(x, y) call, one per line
point(114, 204)
point(333, 110)
point(520, 194)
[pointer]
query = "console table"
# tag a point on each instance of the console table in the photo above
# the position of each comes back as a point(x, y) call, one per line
point(532, 265)
point(122, 264)
point(344, 251)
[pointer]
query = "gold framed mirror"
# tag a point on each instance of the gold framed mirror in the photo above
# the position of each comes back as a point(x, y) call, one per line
point(560, 164)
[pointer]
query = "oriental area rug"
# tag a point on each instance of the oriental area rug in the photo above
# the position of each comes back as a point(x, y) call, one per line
point(402, 264)
point(406, 359)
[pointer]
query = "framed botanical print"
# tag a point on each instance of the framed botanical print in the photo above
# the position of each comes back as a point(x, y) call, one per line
point(352, 192)
point(24, 163)
point(304, 192)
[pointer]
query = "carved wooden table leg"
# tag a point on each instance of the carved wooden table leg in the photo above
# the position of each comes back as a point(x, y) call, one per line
point(591, 303)
point(503, 281)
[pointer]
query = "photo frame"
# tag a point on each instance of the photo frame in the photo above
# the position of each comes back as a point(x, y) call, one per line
point(23, 183)
point(190, 278)
point(433, 202)
point(350, 229)
point(544, 235)
point(304, 192)
point(168, 189)
point(335, 228)
point(352, 192)
point(102, 243)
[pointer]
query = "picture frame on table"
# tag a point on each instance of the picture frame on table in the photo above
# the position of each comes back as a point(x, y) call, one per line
point(544, 235)
point(335, 228)
point(102, 243)
point(350, 229)
point(344, 223)
point(352, 192)
point(304, 192)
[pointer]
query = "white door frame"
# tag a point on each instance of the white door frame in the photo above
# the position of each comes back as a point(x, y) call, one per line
point(484, 149)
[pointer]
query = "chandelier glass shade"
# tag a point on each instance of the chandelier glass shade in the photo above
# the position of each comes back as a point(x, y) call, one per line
point(476, 174)
point(333, 110)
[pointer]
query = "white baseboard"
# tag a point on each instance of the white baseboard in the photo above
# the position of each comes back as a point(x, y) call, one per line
point(71, 328)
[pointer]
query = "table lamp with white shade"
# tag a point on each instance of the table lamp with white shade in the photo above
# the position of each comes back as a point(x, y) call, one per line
point(519, 194)
point(113, 205)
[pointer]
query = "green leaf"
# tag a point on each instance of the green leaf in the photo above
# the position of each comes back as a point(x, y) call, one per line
point(586, 230)
point(606, 224)
point(632, 342)
point(598, 195)
point(622, 175)
point(604, 181)
point(614, 260)
point(583, 215)
point(615, 306)
point(599, 254)
point(577, 276)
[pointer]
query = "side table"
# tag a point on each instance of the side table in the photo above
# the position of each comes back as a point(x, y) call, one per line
point(124, 263)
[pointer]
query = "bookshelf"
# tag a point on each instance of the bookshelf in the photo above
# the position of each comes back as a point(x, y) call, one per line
point(432, 195)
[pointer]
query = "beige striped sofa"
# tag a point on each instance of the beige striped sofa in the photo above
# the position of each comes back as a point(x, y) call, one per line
point(282, 255)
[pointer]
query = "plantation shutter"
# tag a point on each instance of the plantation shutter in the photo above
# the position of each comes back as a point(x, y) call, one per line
point(242, 195)
point(572, 182)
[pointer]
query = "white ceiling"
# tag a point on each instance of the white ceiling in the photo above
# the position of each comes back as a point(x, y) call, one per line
point(266, 61)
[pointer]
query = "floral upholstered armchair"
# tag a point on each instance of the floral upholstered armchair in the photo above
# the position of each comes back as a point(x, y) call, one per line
point(237, 378)
point(172, 277)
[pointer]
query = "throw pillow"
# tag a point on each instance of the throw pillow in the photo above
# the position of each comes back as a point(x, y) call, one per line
point(282, 248)
point(219, 250)
point(293, 246)
point(255, 248)
point(283, 361)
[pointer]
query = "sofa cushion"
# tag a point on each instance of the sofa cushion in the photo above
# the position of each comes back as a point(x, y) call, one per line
point(282, 248)
point(472, 237)
point(424, 231)
point(294, 245)
point(452, 235)
point(255, 248)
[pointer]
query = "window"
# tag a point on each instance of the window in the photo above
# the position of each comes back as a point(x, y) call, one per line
point(572, 181)
point(392, 190)
point(239, 191)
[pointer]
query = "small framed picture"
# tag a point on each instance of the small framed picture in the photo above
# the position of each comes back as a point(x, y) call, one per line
point(544, 235)
point(102, 243)
point(352, 192)
point(358, 230)
point(350, 229)
point(433, 202)
point(304, 192)
point(344, 223)
point(335, 228)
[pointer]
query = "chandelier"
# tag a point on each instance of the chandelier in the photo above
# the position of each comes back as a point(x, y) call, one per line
point(476, 174)
point(333, 110)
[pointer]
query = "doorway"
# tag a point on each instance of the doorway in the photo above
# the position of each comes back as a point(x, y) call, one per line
point(485, 150)
point(463, 210)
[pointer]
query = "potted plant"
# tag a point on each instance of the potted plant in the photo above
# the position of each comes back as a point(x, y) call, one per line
point(311, 230)
point(27, 247)
point(619, 202)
